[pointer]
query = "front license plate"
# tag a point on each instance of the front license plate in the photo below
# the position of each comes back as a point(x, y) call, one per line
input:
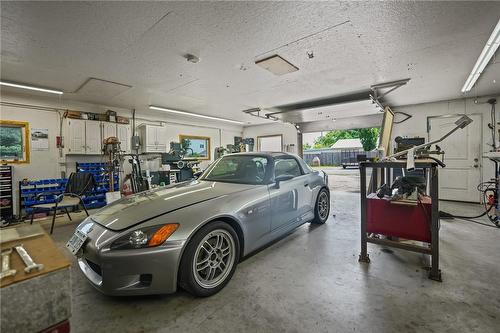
point(78, 239)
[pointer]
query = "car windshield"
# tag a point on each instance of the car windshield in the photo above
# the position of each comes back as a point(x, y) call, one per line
point(243, 169)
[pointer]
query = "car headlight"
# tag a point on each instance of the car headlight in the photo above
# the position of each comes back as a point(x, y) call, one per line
point(145, 237)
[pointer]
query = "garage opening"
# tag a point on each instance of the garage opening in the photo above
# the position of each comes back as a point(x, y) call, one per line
point(336, 152)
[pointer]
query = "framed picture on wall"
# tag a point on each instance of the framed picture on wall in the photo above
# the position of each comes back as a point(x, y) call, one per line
point(196, 147)
point(14, 141)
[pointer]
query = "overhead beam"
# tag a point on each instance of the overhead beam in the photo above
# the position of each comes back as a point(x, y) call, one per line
point(341, 124)
point(320, 102)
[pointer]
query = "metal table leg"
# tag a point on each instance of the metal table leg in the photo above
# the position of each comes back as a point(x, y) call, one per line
point(363, 257)
point(435, 272)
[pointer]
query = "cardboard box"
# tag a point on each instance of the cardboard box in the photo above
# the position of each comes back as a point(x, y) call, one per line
point(73, 114)
point(101, 116)
point(122, 120)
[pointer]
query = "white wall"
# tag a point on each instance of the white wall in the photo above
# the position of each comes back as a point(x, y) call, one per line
point(50, 164)
point(275, 128)
point(417, 125)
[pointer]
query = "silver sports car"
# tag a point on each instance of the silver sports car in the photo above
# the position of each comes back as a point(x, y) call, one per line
point(194, 233)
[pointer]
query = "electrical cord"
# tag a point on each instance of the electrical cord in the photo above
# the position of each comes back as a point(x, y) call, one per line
point(445, 215)
point(477, 222)
point(484, 187)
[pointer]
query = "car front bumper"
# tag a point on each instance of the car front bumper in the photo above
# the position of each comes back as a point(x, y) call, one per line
point(132, 272)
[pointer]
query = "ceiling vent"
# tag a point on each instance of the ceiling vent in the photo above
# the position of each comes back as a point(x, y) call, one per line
point(277, 65)
point(101, 89)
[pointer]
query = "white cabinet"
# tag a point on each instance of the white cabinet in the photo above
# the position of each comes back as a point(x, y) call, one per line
point(75, 136)
point(93, 142)
point(85, 137)
point(108, 130)
point(82, 136)
point(124, 134)
point(153, 139)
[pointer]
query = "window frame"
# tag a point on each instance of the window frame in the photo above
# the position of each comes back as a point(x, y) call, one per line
point(25, 128)
point(287, 157)
point(268, 177)
point(206, 138)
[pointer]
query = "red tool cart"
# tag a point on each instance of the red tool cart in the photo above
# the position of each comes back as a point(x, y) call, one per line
point(410, 220)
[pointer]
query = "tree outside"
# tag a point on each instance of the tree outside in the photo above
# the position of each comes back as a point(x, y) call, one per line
point(367, 136)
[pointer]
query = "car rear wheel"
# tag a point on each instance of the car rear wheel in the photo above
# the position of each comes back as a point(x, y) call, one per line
point(210, 259)
point(322, 207)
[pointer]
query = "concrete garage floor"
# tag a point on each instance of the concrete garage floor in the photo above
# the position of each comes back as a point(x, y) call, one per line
point(311, 281)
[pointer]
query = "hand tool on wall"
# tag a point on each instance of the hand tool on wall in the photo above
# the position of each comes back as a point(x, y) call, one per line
point(6, 271)
point(28, 261)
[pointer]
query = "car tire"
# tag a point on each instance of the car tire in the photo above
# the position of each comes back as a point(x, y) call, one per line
point(205, 266)
point(322, 207)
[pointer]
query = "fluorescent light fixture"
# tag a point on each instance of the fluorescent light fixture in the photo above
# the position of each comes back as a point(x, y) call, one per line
point(22, 86)
point(152, 107)
point(484, 58)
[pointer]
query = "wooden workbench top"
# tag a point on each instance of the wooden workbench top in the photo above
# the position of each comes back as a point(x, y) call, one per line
point(42, 249)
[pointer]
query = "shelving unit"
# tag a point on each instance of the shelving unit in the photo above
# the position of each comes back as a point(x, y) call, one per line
point(6, 199)
point(50, 188)
point(97, 198)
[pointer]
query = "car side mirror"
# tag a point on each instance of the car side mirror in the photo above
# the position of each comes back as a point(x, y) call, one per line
point(197, 174)
point(281, 178)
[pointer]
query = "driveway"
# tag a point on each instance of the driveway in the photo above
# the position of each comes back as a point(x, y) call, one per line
point(342, 180)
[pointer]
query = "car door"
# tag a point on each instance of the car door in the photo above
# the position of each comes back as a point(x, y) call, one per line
point(289, 201)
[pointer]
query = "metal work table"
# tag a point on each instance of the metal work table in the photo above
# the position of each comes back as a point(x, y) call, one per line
point(382, 172)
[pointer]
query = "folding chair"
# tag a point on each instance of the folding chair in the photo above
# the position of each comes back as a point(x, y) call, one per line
point(79, 184)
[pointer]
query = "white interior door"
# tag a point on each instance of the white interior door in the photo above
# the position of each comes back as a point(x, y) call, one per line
point(463, 151)
point(270, 143)
point(93, 137)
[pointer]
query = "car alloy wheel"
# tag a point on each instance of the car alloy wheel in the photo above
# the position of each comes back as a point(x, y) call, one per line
point(323, 205)
point(214, 258)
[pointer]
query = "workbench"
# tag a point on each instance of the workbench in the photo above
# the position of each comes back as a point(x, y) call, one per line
point(427, 230)
point(36, 301)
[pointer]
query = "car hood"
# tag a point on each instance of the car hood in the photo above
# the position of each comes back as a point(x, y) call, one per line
point(143, 206)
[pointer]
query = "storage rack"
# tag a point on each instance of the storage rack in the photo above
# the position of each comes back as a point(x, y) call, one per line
point(48, 189)
point(382, 172)
point(97, 198)
point(6, 199)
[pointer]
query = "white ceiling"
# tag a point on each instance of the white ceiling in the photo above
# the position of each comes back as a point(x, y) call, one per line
point(355, 45)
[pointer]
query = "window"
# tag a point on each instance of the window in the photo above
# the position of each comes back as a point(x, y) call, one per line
point(14, 141)
point(270, 143)
point(286, 166)
point(196, 147)
point(243, 169)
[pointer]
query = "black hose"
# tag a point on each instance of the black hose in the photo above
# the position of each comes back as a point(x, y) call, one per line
point(445, 215)
point(477, 222)
point(481, 187)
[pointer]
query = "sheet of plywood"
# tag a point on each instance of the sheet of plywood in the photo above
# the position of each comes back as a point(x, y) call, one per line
point(20, 232)
point(42, 249)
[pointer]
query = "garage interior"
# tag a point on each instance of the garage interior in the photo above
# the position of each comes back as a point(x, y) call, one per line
point(137, 97)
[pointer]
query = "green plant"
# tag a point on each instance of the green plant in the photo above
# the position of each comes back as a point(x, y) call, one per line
point(367, 136)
